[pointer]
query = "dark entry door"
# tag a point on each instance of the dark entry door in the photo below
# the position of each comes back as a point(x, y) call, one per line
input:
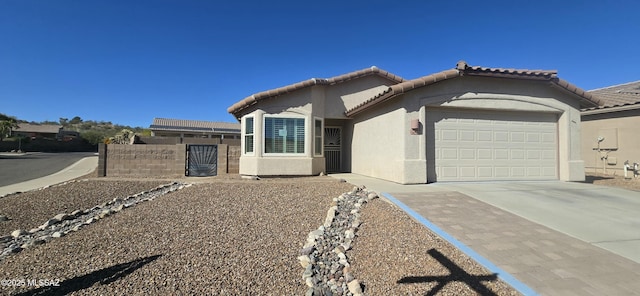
point(333, 149)
point(202, 160)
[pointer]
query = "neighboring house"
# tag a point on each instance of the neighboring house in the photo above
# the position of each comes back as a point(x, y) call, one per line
point(463, 124)
point(610, 132)
point(35, 131)
point(163, 127)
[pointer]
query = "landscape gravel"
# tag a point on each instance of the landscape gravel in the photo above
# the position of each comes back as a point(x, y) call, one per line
point(228, 236)
point(42, 205)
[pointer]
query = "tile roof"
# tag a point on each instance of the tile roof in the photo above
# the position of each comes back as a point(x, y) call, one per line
point(38, 128)
point(253, 99)
point(618, 95)
point(462, 69)
point(166, 124)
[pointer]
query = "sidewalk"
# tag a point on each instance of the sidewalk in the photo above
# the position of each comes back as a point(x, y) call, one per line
point(545, 260)
point(78, 169)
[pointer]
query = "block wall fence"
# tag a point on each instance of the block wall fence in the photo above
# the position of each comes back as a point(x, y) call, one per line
point(116, 160)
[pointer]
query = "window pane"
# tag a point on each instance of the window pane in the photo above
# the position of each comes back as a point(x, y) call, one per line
point(248, 125)
point(284, 135)
point(248, 144)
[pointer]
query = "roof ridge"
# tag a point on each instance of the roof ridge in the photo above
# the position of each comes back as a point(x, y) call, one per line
point(254, 98)
point(612, 86)
point(462, 69)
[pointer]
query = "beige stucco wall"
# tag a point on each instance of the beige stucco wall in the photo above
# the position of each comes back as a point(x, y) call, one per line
point(378, 143)
point(620, 133)
point(316, 102)
point(384, 147)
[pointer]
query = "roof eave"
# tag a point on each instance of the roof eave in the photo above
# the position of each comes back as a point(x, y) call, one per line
point(610, 109)
point(247, 102)
point(586, 99)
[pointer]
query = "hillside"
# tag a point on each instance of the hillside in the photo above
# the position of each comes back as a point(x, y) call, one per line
point(91, 133)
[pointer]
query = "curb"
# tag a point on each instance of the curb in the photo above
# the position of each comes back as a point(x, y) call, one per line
point(503, 275)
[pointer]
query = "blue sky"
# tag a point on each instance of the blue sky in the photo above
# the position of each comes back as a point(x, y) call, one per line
point(128, 61)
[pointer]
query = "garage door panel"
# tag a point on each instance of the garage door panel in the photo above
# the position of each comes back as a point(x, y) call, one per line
point(493, 145)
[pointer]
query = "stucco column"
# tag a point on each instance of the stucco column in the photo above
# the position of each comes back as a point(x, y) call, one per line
point(258, 133)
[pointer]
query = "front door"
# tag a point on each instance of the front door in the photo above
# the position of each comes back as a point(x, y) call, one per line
point(333, 149)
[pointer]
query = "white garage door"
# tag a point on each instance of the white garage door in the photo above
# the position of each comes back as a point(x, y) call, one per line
point(472, 146)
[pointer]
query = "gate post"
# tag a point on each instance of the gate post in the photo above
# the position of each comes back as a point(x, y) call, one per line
point(102, 160)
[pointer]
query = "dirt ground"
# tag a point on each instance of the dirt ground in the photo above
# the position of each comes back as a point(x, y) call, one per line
point(613, 181)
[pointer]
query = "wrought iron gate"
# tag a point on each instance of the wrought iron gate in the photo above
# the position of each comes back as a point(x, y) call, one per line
point(202, 160)
point(333, 149)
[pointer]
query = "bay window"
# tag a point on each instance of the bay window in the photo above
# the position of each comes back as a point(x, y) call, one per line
point(284, 135)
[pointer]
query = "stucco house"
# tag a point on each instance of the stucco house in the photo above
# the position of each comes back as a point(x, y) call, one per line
point(468, 123)
point(610, 132)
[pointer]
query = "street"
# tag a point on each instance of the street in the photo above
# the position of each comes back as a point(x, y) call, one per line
point(15, 169)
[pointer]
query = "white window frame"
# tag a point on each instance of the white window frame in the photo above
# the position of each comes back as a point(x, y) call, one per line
point(264, 139)
point(244, 135)
point(315, 137)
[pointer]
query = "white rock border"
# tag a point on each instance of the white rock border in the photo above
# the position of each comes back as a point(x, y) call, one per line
point(63, 223)
point(324, 254)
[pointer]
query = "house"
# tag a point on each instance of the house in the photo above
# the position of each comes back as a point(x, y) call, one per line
point(164, 127)
point(609, 132)
point(35, 131)
point(468, 123)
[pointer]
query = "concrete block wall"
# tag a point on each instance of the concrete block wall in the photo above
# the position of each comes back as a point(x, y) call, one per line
point(117, 160)
point(233, 159)
point(143, 160)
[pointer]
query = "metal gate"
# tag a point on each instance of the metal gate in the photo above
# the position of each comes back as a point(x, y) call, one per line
point(333, 149)
point(202, 160)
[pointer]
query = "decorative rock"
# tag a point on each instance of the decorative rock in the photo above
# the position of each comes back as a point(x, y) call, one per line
point(61, 217)
point(325, 249)
point(307, 250)
point(372, 195)
point(57, 234)
point(18, 232)
point(76, 213)
point(331, 213)
point(50, 222)
point(354, 287)
point(304, 260)
point(6, 239)
point(104, 213)
point(4, 218)
point(349, 233)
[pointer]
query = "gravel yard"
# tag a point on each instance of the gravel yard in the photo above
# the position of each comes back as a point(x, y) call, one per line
point(44, 204)
point(226, 236)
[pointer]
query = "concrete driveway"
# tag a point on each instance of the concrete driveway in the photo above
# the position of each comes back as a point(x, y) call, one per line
point(602, 216)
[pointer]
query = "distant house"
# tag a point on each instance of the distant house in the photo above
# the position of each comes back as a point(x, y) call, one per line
point(610, 132)
point(35, 131)
point(469, 123)
point(164, 127)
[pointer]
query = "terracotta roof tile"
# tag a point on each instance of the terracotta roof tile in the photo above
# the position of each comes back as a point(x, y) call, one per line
point(166, 124)
point(253, 99)
point(617, 95)
point(462, 69)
